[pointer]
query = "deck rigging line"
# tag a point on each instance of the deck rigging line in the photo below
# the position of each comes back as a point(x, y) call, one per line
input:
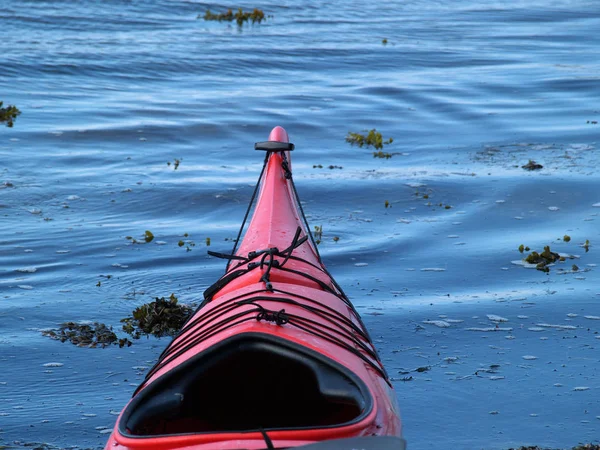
point(333, 327)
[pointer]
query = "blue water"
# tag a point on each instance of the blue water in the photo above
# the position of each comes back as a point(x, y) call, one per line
point(113, 91)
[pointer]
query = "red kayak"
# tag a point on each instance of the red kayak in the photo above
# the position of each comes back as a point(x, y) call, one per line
point(276, 356)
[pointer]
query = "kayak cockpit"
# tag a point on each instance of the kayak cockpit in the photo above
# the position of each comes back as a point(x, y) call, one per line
point(247, 383)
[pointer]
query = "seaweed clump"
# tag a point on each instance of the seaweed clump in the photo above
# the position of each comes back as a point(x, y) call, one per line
point(162, 317)
point(541, 260)
point(9, 114)
point(532, 165)
point(148, 237)
point(85, 335)
point(372, 139)
point(176, 163)
point(257, 15)
point(189, 243)
point(381, 154)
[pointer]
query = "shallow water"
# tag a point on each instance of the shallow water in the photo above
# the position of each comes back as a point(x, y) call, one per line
point(111, 92)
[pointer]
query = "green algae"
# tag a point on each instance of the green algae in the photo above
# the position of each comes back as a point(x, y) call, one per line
point(373, 138)
point(9, 114)
point(162, 317)
point(257, 15)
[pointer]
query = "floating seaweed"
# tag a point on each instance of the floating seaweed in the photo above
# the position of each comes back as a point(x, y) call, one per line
point(188, 244)
point(330, 167)
point(257, 15)
point(176, 163)
point(9, 114)
point(586, 245)
point(148, 237)
point(372, 139)
point(532, 165)
point(318, 233)
point(543, 259)
point(383, 155)
point(86, 335)
point(162, 317)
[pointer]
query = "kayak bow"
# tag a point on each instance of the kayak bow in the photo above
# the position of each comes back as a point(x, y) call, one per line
point(276, 356)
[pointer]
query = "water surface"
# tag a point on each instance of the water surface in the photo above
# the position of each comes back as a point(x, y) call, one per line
point(114, 92)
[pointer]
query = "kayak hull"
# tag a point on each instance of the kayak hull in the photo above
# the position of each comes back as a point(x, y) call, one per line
point(275, 357)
